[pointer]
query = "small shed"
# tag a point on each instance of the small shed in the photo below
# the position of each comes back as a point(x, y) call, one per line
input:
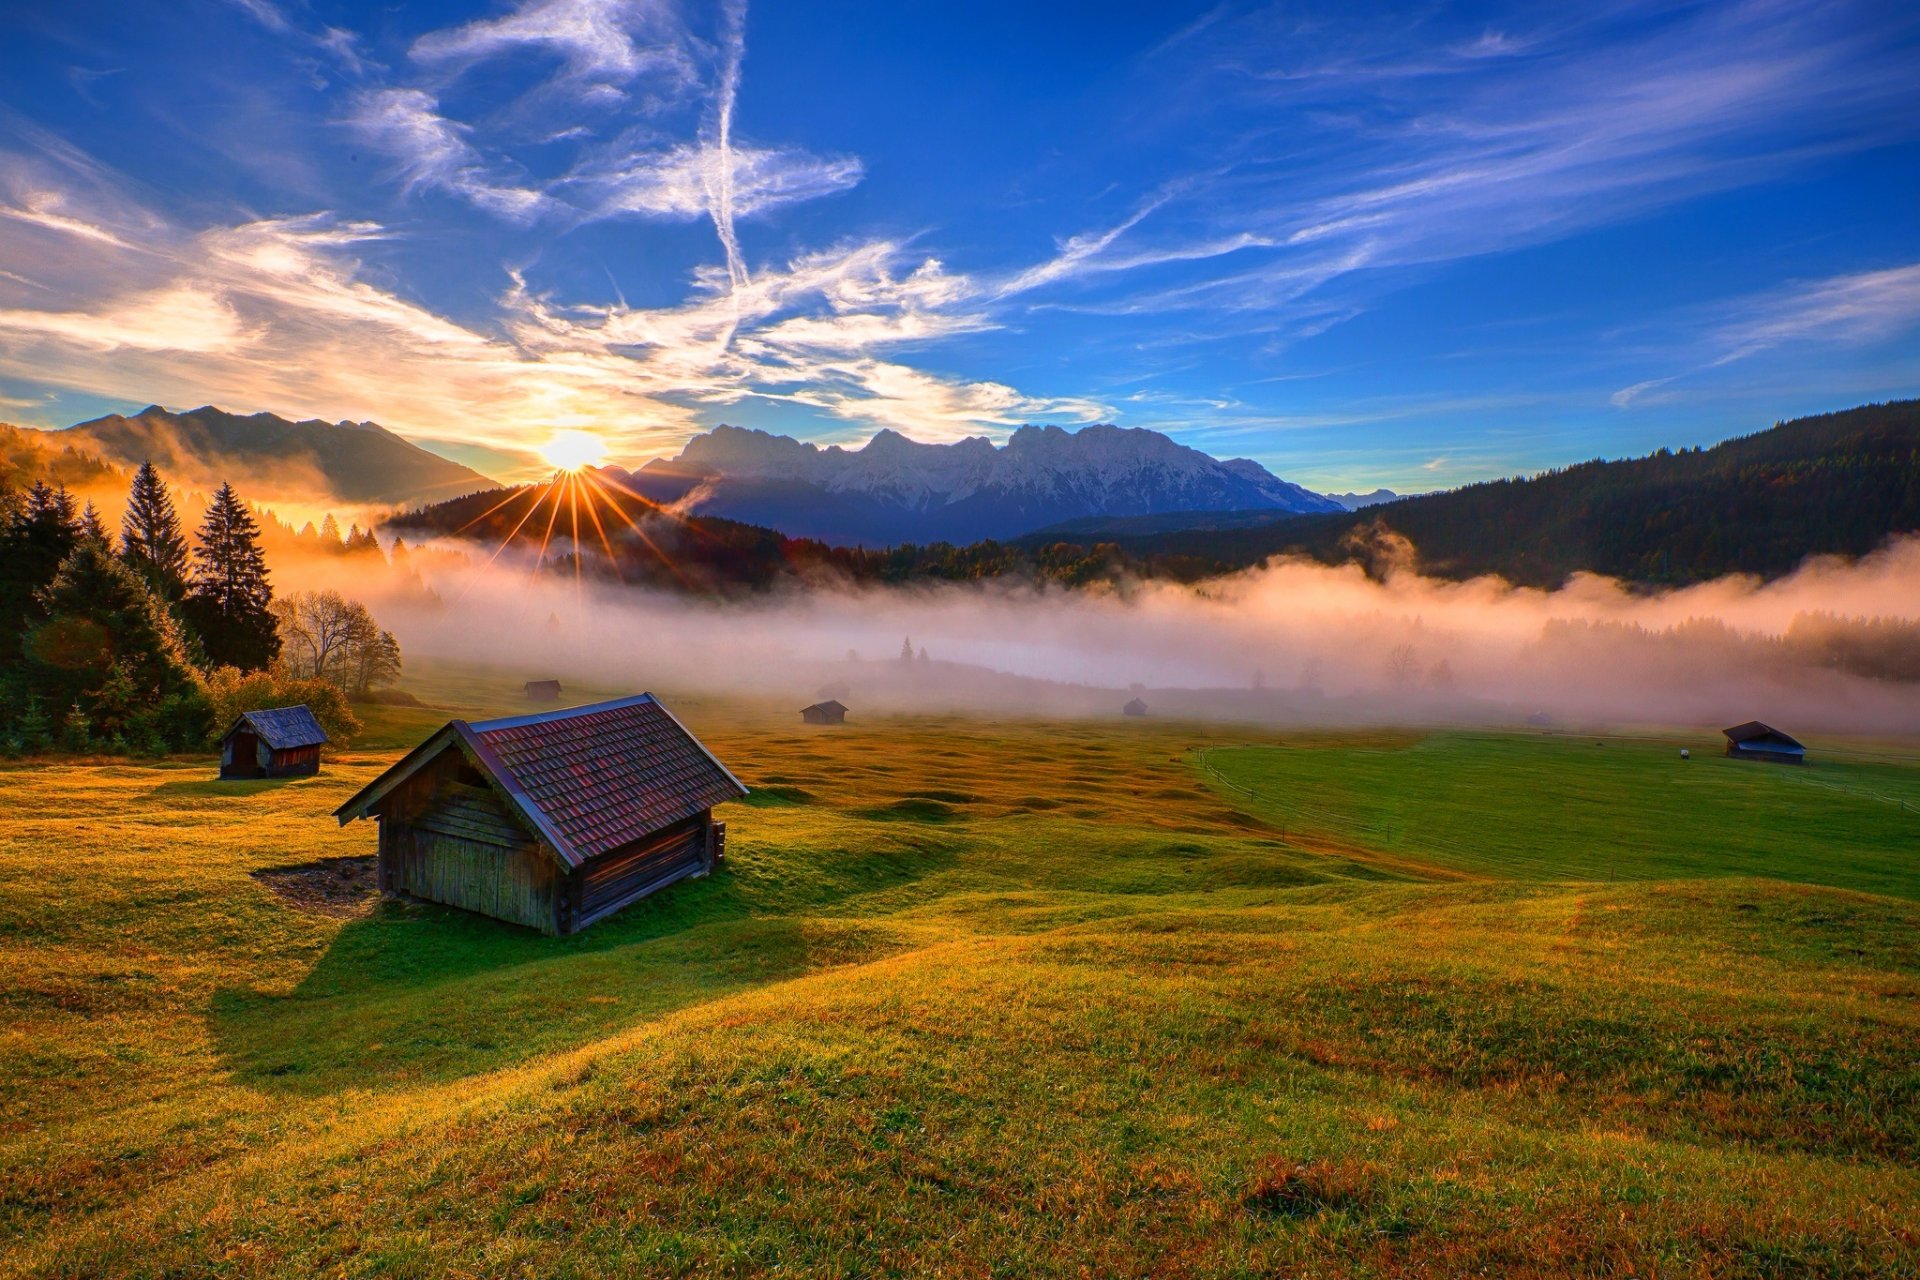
point(1134, 708)
point(1756, 741)
point(829, 712)
point(546, 692)
point(555, 820)
point(279, 742)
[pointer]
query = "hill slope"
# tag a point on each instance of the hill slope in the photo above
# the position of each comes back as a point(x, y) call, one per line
point(272, 459)
point(894, 490)
point(969, 998)
point(1835, 484)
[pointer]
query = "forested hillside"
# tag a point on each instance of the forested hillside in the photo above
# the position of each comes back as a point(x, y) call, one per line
point(1840, 483)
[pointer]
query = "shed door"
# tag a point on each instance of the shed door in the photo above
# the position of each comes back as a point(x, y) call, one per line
point(246, 756)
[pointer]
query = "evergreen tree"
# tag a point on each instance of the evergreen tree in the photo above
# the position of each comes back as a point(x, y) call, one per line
point(329, 533)
point(229, 599)
point(41, 533)
point(151, 542)
point(111, 649)
point(93, 528)
point(906, 649)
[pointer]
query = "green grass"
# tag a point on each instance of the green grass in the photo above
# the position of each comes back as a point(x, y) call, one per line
point(1552, 808)
point(988, 999)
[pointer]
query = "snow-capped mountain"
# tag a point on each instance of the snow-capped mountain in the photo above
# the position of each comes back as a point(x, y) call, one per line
point(893, 490)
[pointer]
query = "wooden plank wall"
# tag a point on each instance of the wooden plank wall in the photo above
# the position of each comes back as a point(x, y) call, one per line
point(447, 839)
point(618, 878)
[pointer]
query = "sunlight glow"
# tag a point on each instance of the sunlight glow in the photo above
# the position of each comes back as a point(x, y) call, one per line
point(572, 450)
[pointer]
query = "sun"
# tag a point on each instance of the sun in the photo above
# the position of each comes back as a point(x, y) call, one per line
point(572, 450)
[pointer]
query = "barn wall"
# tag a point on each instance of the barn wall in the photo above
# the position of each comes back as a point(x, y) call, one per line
point(625, 875)
point(513, 884)
point(294, 762)
point(448, 839)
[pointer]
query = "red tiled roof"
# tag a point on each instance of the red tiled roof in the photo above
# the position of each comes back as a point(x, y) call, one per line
point(601, 776)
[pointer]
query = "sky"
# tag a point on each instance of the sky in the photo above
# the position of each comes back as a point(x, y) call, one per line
point(1409, 246)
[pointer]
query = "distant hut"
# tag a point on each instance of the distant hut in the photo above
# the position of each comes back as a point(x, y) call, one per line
point(1134, 708)
point(1756, 741)
point(281, 742)
point(828, 712)
point(554, 820)
point(545, 692)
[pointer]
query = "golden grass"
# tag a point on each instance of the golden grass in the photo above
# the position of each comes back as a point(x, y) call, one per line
point(972, 998)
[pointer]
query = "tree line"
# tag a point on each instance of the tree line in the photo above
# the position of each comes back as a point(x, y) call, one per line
point(150, 641)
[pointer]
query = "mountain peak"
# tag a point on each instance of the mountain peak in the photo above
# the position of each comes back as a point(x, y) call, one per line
point(896, 489)
point(276, 459)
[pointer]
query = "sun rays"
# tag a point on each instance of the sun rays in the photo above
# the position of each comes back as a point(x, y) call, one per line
point(574, 489)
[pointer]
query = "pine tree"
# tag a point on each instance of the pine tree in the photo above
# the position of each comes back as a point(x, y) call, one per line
point(228, 603)
point(906, 649)
point(112, 649)
point(40, 535)
point(329, 533)
point(151, 542)
point(93, 528)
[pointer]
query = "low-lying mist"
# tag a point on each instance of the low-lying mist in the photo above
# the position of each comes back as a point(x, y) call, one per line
point(1291, 642)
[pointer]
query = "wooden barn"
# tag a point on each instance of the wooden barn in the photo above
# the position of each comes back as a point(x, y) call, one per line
point(554, 820)
point(1756, 741)
point(280, 742)
point(545, 692)
point(829, 712)
point(1134, 708)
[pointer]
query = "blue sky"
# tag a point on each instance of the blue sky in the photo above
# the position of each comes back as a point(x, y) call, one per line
point(1365, 245)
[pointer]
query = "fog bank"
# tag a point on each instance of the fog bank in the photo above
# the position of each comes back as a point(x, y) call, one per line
point(1290, 642)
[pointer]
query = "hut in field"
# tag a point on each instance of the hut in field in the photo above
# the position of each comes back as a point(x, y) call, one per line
point(829, 712)
point(554, 820)
point(545, 692)
point(1756, 741)
point(1134, 708)
point(280, 742)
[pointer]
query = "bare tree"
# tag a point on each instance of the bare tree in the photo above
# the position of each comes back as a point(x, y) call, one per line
point(324, 635)
point(314, 626)
point(1401, 665)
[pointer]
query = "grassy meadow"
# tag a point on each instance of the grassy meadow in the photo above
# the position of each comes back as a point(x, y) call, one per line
point(979, 998)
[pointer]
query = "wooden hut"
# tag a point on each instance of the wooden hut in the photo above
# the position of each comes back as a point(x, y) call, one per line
point(1756, 741)
point(554, 820)
point(545, 692)
point(280, 742)
point(1134, 708)
point(828, 712)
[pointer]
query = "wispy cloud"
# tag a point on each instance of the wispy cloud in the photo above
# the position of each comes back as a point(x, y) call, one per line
point(1428, 149)
point(600, 43)
point(432, 151)
point(1865, 306)
point(1856, 309)
point(690, 181)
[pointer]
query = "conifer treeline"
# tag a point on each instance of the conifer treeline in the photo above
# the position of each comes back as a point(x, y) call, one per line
point(132, 645)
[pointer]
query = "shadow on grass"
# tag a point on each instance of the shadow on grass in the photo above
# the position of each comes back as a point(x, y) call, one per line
point(417, 993)
point(180, 788)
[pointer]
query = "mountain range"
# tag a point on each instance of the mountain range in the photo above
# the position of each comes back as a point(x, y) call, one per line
point(271, 459)
point(893, 490)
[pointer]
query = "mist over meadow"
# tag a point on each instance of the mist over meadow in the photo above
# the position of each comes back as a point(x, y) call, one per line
point(1293, 641)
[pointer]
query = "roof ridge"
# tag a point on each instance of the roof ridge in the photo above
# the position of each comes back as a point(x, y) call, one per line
point(564, 713)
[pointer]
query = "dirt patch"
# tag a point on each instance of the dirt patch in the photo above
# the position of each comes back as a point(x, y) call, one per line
point(337, 887)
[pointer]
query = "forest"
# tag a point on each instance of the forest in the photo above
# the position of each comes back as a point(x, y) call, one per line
point(1836, 484)
point(149, 641)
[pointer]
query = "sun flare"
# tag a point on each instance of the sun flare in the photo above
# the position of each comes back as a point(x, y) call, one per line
point(572, 450)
